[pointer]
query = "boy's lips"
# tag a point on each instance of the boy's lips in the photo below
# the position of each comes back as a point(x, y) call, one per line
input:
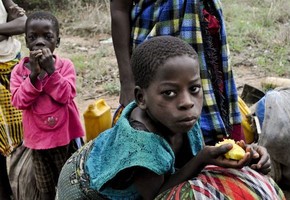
point(187, 121)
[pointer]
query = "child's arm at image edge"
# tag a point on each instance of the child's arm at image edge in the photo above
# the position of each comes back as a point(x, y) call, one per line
point(14, 26)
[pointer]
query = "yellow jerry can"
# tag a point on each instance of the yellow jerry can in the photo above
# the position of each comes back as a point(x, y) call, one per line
point(97, 119)
point(249, 132)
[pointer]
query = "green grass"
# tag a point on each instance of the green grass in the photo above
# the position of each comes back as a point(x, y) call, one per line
point(96, 69)
point(80, 61)
point(113, 88)
point(259, 32)
point(86, 18)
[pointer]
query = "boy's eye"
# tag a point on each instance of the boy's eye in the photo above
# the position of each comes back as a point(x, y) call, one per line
point(31, 37)
point(169, 93)
point(195, 89)
point(48, 36)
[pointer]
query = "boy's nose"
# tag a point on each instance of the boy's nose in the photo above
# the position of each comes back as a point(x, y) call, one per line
point(186, 101)
point(40, 42)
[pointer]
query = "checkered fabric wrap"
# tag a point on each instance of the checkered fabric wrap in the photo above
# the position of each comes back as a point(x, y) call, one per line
point(181, 18)
point(216, 183)
point(11, 131)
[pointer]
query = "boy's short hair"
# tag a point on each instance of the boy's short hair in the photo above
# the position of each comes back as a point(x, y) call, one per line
point(43, 15)
point(151, 54)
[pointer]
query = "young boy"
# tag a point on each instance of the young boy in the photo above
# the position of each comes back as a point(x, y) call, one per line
point(201, 24)
point(43, 86)
point(157, 142)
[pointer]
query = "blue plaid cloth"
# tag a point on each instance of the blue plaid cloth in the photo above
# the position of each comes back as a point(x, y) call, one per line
point(182, 18)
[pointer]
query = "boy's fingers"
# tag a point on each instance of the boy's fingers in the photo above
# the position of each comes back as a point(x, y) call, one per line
point(246, 158)
point(241, 163)
point(46, 51)
point(224, 148)
point(38, 55)
point(237, 163)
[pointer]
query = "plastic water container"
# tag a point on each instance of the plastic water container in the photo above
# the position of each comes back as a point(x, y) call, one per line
point(249, 132)
point(97, 119)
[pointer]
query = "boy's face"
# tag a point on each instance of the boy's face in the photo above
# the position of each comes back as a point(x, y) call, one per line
point(41, 34)
point(175, 98)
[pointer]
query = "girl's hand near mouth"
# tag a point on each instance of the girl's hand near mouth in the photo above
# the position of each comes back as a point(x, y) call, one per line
point(46, 61)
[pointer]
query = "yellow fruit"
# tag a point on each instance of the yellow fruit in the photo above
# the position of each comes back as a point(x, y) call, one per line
point(236, 153)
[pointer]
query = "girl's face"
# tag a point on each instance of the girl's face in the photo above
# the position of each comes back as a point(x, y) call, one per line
point(41, 34)
point(175, 98)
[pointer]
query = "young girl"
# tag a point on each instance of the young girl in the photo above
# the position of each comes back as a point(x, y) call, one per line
point(43, 86)
point(157, 143)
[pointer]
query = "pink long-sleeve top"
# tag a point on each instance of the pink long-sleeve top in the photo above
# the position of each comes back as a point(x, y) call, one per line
point(50, 116)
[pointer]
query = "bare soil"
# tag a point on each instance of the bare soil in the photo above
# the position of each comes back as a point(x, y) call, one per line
point(251, 75)
point(90, 91)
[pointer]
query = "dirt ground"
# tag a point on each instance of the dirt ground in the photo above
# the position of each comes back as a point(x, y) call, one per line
point(243, 73)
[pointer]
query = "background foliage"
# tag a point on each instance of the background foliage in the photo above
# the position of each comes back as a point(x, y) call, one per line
point(52, 5)
point(258, 30)
point(258, 34)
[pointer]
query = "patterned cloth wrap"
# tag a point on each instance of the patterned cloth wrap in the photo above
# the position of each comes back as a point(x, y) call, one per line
point(182, 18)
point(76, 185)
point(216, 183)
point(121, 147)
point(11, 131)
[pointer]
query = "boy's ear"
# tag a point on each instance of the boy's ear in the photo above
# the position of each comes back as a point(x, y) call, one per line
point(140, 97)
point(57, 42)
